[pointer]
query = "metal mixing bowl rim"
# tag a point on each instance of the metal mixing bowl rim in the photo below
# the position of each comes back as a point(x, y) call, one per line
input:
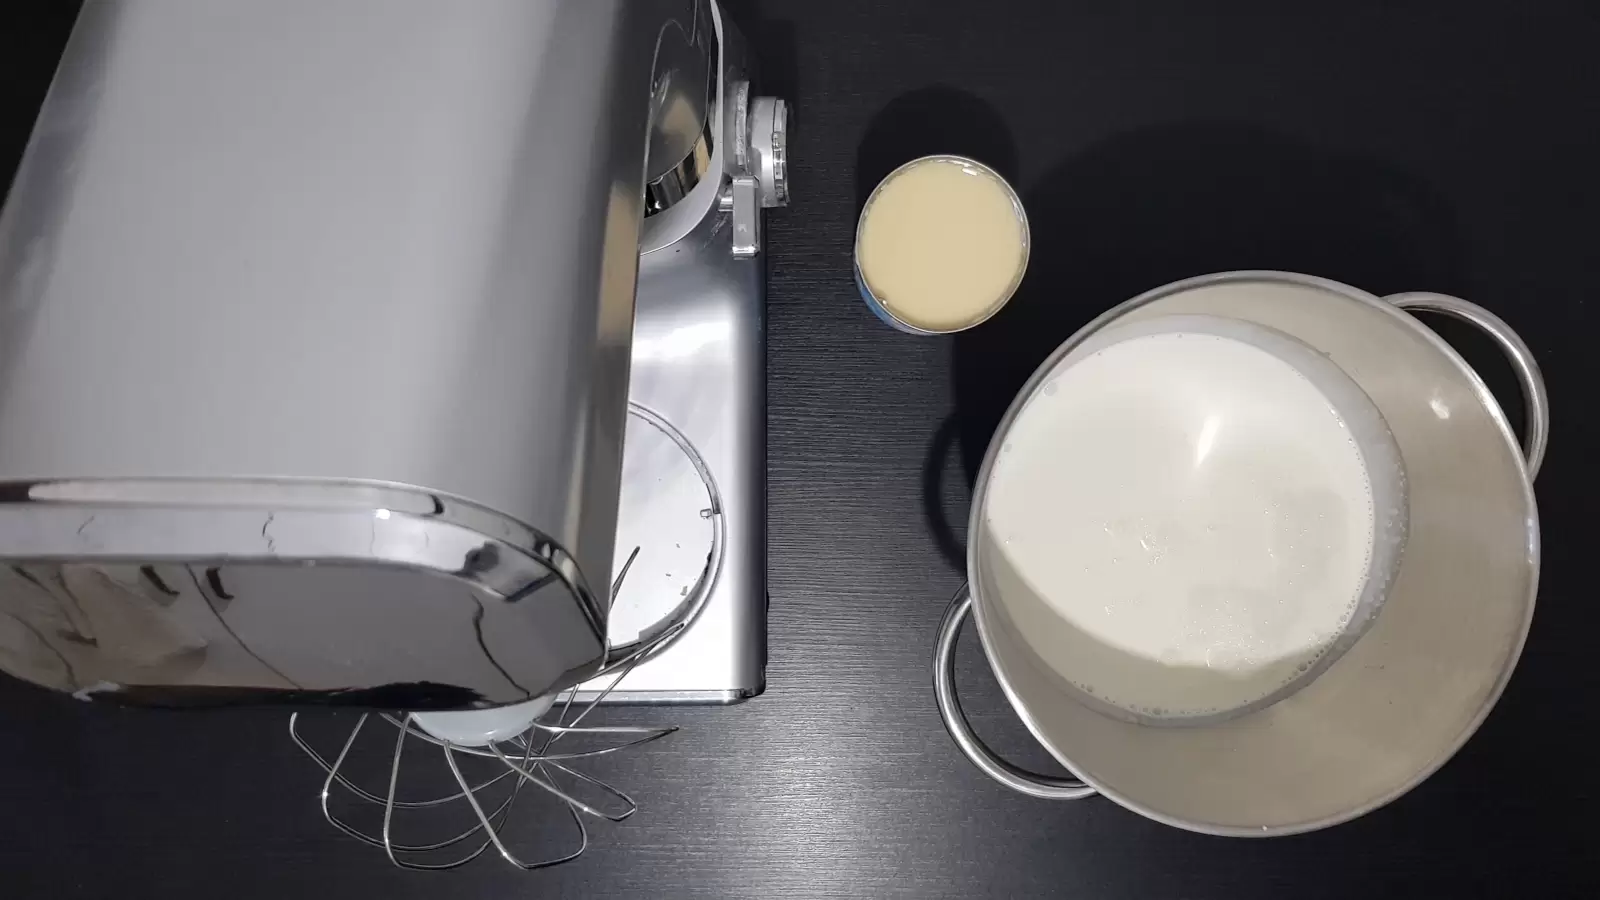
point(1482, 393)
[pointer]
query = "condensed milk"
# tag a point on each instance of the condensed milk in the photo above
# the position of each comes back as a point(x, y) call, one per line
point(941, 245)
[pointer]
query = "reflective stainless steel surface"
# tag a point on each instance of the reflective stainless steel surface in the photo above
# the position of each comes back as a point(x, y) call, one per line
point(301, 244)
point(185, 592)
point(676, 183)
point(1415, 687)
point(683, 80)
point(699, 363)
point(769, 149)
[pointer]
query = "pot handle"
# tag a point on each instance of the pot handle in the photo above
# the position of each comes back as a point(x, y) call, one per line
point(1045, 787)
point(1535, 401)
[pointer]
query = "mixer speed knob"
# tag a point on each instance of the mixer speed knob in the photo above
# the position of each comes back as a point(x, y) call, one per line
point(768, 149)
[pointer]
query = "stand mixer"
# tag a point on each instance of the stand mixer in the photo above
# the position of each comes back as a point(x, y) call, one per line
point(333, 337)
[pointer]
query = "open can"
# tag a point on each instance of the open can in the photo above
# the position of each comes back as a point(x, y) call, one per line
point(877, 303)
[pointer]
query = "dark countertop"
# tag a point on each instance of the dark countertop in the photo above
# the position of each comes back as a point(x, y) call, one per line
point(1396, 146)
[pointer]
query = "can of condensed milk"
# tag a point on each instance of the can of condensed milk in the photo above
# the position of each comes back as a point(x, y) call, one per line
point(941, 245)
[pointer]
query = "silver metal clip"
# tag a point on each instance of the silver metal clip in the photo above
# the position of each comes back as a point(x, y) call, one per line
point(741, 198)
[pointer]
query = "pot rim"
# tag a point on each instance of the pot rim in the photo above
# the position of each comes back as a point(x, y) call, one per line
point(980, 498)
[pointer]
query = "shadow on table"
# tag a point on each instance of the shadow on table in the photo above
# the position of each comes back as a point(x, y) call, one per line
point(773, 53)
point(935, 119)
point(930, 120)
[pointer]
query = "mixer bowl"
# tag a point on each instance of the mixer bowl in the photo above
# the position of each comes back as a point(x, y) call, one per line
point(1401, 699)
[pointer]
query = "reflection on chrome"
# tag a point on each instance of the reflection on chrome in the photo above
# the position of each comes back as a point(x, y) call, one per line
point(1207, 439)
point(681, 342)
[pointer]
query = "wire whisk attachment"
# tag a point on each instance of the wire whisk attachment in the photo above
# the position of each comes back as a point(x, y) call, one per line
point(431, 816)
point(441, 817)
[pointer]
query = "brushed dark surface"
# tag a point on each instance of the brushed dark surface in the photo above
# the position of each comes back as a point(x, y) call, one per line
point(1395, 146)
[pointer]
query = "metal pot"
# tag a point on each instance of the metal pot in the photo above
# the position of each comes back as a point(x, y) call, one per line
point(1418, 682)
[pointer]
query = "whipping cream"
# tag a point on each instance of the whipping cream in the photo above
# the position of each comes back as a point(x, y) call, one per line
point(1192, 515)
point(941, 244)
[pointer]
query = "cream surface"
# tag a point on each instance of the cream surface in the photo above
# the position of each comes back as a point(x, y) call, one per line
point(1193, 512)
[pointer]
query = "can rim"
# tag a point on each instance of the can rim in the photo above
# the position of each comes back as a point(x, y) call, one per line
point(1016, 207)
